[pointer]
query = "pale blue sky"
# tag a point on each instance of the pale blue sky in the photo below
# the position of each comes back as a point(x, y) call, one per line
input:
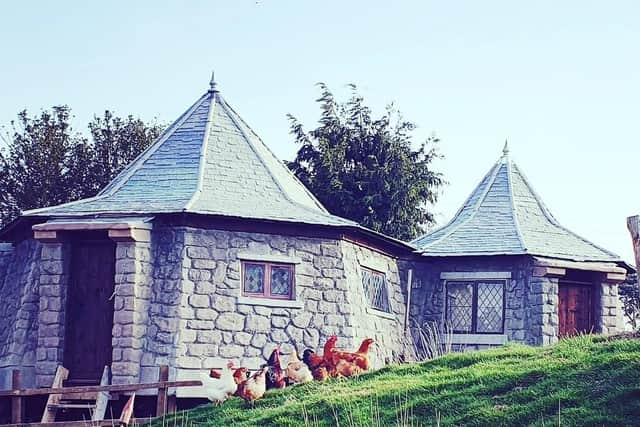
point(560, 80)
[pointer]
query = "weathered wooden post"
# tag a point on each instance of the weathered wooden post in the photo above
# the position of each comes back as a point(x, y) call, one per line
point(17, 408)
point(161, 405)
point(633, 224)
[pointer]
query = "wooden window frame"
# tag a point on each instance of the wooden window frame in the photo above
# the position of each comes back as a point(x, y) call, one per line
point(267, 280)
point(386, 288)
point(474, 304)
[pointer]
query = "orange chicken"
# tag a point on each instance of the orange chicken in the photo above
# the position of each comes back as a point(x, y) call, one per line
point(255, 387)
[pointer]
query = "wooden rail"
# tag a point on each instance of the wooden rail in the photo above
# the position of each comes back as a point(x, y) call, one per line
point(165, 403)
point(96, 388)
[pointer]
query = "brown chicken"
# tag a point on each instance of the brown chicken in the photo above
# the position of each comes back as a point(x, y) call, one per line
point(360, 358)
point(255, 387)
point(346, 369)
point(276, 377)
point(240, 376)
point(329, 346)
point(315, 364)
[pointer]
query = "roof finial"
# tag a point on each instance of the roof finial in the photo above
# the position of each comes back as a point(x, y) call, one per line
point(212, 83)
point(505, 150)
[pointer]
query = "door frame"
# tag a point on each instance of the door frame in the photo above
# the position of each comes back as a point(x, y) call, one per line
point(591, 305)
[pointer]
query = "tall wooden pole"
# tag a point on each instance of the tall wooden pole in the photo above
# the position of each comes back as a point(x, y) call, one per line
point(633, 224)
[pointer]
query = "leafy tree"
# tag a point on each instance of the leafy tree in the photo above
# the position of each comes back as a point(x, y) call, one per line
point(365, 169)
point(630, 296)
point(46, 163)
point(35, 166)
point(116, 142)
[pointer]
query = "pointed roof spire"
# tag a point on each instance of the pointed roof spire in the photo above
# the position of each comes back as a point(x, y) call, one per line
point(505, 216)
point(505, 150)
point(212, 83)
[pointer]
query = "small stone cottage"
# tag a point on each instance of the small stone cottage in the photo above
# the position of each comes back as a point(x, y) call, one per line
point(503, 269)
point(206, 248)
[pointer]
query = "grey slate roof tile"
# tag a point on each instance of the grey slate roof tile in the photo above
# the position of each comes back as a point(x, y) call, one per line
point(504, 215)
point(209, 162)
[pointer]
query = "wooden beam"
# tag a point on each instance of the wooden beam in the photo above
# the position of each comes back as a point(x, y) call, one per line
point(17, 407)
point(50, 409)
point(102, 399)
point(615, 277)
point(46, 236)
point(95, 388)
point(633, 225)
point(83, 423)
point(161, 403)
point(130, 235)
point(540, 271)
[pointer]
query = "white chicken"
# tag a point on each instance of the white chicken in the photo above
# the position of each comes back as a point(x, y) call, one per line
point(297, 371)
point(219, 385)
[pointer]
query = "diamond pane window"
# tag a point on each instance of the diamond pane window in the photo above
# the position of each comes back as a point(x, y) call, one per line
point(254, 278)
point(375, 289)
point(490, 307)
point(475, 307)
point(281, 280)
point(267, 280)
point(460, 306)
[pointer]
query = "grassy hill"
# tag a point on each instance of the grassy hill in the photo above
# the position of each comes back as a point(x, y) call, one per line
point(582, 381)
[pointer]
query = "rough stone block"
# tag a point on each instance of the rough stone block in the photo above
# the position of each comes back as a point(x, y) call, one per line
point(256, 323)
point(230, 322)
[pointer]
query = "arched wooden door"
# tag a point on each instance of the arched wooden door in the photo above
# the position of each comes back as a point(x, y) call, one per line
point(575, 309)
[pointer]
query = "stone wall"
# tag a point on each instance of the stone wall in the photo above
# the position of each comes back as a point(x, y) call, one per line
point(198, 319)
point(428, 294)
point(19, 310)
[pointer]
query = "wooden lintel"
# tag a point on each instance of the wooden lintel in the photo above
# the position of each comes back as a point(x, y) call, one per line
point(541, 271)
point(130, 235)
point(96, 388)
point(615, 277)
point(46, 236)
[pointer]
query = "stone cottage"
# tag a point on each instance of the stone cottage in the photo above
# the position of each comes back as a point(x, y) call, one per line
point(503, 269)
point(205, 248)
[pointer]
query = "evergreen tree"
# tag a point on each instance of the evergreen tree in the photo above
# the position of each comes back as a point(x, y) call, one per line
point(365, 168)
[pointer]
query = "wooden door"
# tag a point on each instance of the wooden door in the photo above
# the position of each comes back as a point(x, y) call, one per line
point(89, 315)
point(575, 309)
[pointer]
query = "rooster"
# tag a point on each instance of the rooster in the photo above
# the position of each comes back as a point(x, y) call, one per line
point(218, 386)
point(360, 358)
point(255, 387)
point(275, 374)
point(297, 371)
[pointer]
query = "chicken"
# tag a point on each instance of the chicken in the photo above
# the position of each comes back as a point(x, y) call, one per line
point(360, 358)
point(297, 371)
point(329, 346)
point(275, 375)
point(316, 365)
point(240, 376)
point(219, 385)
point(255, 387)
point(347, 369)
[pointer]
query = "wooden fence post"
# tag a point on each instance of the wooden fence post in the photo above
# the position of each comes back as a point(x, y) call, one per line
point(17, 407)
point(161, 406)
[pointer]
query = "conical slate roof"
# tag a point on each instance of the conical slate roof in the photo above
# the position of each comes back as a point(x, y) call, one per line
point(208, 162)
point(505, 216)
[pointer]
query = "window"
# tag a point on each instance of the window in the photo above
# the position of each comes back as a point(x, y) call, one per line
point(267, 280)
point(476, 306)
point(375, 289)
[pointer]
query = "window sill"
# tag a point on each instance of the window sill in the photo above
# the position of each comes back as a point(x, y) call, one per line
point(381, 313)
point(267, 302)
point(479, 339)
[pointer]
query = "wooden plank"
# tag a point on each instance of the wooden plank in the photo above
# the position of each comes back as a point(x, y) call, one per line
point(95, 388)
point(127, 411)
point(161, 403)
point(103, 397)
point(64, 405)
point(50, 411)
point(17, 408)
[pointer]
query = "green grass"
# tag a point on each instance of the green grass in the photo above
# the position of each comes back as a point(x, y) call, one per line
point(584, 381)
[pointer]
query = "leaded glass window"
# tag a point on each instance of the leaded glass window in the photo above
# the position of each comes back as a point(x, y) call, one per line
point(267, 280)
point(475, 306)
point(375, 289)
